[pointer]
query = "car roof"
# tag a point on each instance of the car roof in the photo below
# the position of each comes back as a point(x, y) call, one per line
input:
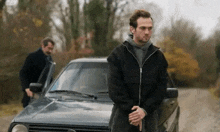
point(92, 59)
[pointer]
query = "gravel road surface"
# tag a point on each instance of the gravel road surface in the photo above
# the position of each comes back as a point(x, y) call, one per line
point(199, 111)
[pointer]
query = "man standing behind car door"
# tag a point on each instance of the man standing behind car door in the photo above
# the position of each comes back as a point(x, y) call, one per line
point(33, 66)
point(137, 78)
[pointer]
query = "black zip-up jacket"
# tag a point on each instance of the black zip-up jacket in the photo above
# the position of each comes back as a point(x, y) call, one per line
point(132, 84)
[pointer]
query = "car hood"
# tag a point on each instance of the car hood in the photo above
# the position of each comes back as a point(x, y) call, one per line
point(66, 112)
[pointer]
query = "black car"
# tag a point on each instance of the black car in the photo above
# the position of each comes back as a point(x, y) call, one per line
point(77, 101)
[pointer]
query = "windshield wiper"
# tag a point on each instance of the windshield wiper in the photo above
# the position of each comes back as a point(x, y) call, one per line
point(74, 92)
point(103, 92)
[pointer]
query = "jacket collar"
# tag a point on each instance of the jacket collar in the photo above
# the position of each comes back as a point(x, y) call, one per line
point(152, 49)
point(40, 51)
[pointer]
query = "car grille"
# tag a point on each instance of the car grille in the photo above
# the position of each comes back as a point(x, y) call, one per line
point(67, 128)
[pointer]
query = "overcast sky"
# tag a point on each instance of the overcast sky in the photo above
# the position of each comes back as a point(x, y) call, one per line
point(204, 13)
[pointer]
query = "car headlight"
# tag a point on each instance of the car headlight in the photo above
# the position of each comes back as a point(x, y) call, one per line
point(19, 128)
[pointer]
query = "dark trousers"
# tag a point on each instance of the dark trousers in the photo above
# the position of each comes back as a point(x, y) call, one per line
point(25, 101)
point(150, 123)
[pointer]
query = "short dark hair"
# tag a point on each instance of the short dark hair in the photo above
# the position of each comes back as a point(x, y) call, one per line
point(46, 40)
point(137, 14)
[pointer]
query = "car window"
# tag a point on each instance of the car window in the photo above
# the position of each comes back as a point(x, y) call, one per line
point(86, 77)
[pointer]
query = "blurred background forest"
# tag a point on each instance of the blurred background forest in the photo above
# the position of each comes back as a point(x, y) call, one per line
point(84, 28)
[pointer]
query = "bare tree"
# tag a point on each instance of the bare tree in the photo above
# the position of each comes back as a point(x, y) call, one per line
point(85, 18)
point(116, 22)
point(218, 24)
point(124, 11)
point(20, 35)
point(188, 37)
point(74, 19)
point(156, 13)
point(63, 30)
point(184, 32)
point(216, 41)
point(2, 4)
point(23, 4)
point(69, 16)
point(106, 23)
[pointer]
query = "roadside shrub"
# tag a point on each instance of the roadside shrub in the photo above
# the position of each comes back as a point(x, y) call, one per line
point(183, 68)
point(10, 89)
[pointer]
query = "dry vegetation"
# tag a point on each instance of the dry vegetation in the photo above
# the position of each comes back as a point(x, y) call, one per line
point(215, 90)
point(12, 108)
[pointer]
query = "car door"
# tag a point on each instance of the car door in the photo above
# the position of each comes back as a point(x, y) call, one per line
point(49, 75)
point(44, 80)
point(169, 110)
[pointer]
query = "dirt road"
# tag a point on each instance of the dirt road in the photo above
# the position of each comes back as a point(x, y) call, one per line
point(200, 112)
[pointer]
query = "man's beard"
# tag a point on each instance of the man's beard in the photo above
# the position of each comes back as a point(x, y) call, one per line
point(144, 39)
point(48, 53)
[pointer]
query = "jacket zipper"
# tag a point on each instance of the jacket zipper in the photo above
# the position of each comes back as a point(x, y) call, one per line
point(139, 101)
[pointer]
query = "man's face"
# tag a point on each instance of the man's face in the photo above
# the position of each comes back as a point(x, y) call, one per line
point(48, 49)
point(143, 31)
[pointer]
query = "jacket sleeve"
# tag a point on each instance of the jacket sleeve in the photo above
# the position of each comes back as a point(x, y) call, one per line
point(157, 97)
point(25, 72)
point(117, 89)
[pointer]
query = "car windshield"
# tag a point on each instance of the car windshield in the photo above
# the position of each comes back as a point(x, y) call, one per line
point(83, 77)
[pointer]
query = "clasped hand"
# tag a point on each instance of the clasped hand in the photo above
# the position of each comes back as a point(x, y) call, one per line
point(135, 118)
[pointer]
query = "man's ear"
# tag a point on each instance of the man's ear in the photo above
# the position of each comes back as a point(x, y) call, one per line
point(42, 46)
point(132, 29)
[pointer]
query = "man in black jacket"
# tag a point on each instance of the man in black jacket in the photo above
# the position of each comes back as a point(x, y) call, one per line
point(33, 66)
point(137, 78)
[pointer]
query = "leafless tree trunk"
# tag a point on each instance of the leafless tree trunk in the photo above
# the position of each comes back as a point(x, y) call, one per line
point(106, 24)
point(74, 19)
point(2, 4)
point(85, 16)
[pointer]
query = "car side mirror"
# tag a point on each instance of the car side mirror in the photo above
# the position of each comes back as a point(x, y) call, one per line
point(36, 87)
point(172, 93)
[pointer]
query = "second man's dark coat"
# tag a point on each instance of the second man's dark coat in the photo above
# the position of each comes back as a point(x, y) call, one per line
point(31, 70)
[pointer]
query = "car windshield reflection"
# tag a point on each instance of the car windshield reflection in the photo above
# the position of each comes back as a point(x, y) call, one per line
point(74, 92)
point(87, 78)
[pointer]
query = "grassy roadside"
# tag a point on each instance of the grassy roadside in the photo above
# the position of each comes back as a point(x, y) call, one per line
point(12, 108)
point(215, 90)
